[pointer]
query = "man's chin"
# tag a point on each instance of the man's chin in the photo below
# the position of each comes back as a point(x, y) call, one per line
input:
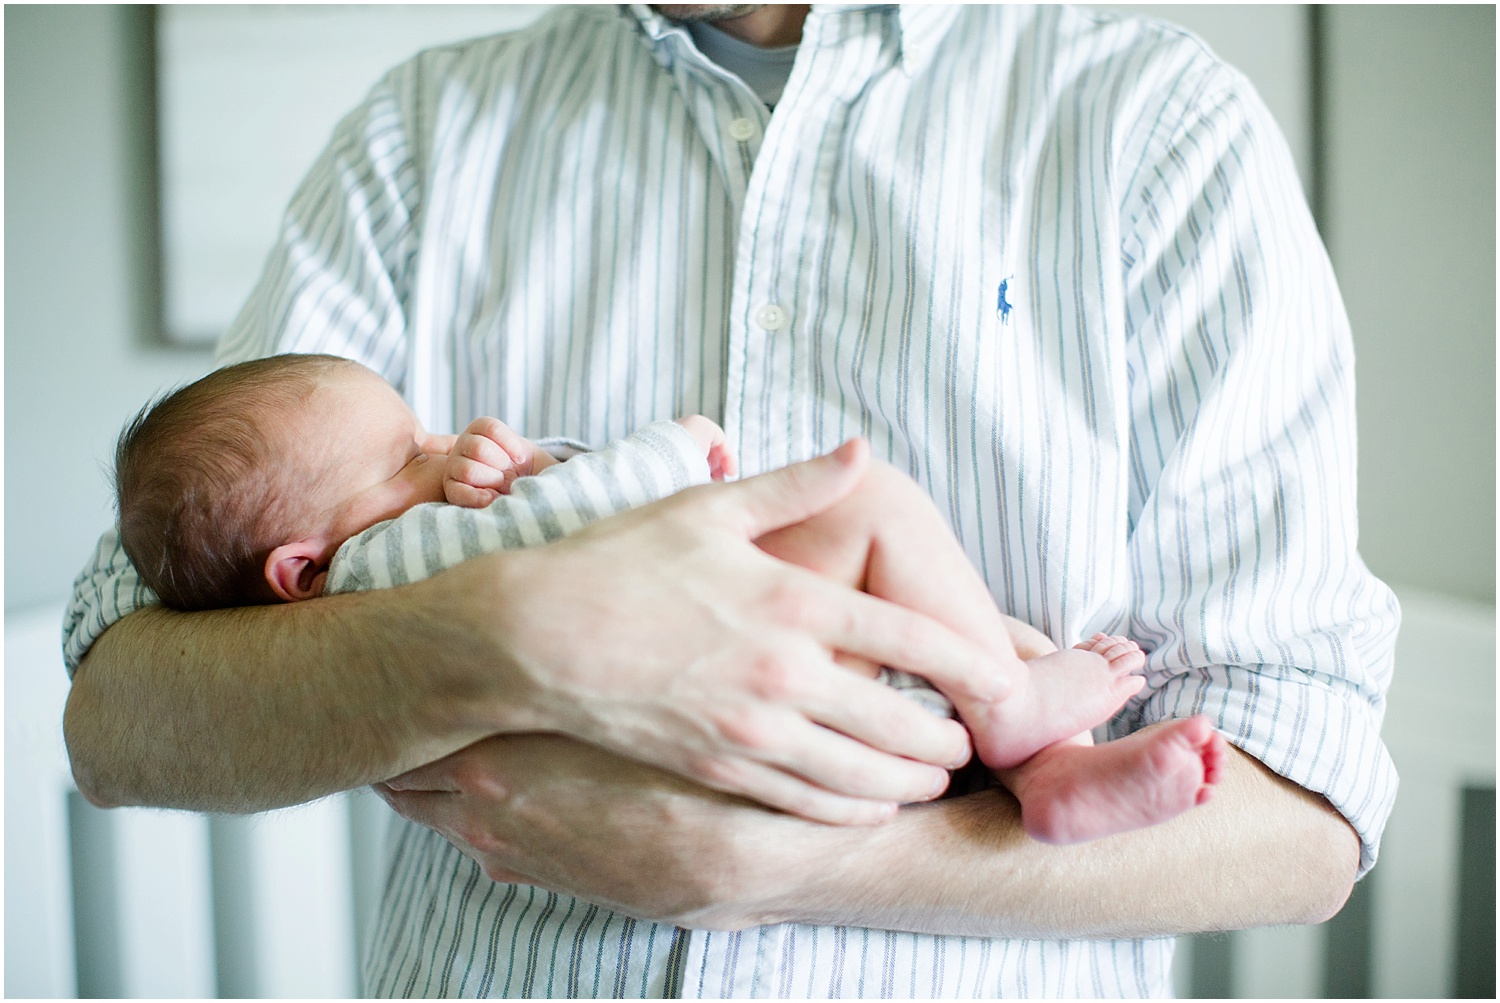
point(705, 11)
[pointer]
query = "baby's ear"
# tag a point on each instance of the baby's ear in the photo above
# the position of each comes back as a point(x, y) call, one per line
point(297, 571)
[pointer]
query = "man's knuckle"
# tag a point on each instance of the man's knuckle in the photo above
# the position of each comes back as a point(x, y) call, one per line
point(809, 802)
point(699, 765)
point(723, 773)
point(477, 837)
point(744, 728)
point(849, 779)
point(774, 678)
point(788, 602)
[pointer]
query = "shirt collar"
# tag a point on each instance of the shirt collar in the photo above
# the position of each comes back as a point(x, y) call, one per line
point(919, 28)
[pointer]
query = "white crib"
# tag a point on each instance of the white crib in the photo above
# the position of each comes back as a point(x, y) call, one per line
point(153, 904)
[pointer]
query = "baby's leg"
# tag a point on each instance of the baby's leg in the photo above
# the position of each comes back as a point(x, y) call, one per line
point(1074, 791)
point(888, 539)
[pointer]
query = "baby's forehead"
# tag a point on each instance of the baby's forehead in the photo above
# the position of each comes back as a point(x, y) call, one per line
point(350, 411)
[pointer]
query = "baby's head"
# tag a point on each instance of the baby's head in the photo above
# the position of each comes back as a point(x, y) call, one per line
point(237, 489)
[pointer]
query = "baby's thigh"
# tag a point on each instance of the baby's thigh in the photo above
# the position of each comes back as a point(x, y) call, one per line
point(886, 508)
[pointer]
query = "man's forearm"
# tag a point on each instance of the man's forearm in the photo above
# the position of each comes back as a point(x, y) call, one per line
point(700, 654)
point(248, 709)
point(575, 819)
point(1262, 852)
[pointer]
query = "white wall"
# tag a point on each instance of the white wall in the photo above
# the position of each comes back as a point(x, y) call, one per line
point(1411, 228)
point(1269, 43)
point(77, 359)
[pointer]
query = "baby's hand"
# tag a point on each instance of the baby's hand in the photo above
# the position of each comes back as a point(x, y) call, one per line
point(708, 434)
point(486, 459)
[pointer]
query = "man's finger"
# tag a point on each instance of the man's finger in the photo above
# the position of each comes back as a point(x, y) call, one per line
point(856, 768)
point(888, 634)
point(431, 777)
point(758, 505)
point(794, 795)
point(879, 723)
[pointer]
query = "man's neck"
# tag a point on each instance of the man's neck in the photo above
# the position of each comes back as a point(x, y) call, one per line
point(767, 26)
point(770, 27)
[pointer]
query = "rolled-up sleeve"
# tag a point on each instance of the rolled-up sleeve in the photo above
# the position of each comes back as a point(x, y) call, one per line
point(106, 591)
point(1247, 585)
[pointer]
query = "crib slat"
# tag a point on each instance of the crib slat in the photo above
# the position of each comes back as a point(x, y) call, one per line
point(1284, 962)
point(38, 888)
point(1441, 732)
point(1416, 888)
point(165, 910)
point(301, 911)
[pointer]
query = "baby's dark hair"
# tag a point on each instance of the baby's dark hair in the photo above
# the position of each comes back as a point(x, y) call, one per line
point(201, 487)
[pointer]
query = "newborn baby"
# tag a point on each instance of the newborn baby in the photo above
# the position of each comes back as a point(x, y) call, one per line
point(284, 478)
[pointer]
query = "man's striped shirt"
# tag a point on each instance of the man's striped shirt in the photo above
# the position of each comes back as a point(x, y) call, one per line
point(1053, 263)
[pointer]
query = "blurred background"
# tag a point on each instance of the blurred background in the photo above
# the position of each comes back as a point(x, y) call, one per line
point(148, 153)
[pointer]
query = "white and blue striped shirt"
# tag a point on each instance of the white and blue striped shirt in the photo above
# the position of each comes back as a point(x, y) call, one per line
point(1053, 263)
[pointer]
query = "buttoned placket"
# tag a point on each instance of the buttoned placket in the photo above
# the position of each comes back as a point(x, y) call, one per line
point(733, 123)
point(768, 407)
point(772, 174)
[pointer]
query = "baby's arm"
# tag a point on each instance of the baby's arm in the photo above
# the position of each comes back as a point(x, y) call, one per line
point(654, 462)
point(490, 455)
point(486, 460)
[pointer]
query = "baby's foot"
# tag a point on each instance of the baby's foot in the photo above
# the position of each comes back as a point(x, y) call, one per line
point(1055, 697)
point(1070, 793)
point(1123, 654)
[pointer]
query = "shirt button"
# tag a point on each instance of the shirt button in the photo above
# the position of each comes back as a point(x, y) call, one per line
point(771, 317)
point(742, 130)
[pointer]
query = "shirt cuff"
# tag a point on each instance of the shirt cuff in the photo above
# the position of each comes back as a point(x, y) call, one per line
point(104, 593)
point(1317, 732)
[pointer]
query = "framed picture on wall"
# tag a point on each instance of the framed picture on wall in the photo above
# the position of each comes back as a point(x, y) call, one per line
point(247, 97)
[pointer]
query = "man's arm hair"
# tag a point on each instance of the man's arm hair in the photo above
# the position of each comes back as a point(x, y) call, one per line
point(266, 706)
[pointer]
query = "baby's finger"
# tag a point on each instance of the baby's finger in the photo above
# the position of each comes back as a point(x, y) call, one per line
point(468, 496)
point(515, 445)
point(482, 449)
point(477, 473)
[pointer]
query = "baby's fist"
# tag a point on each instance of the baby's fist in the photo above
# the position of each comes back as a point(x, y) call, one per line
point(486, 459)
point(711, 439)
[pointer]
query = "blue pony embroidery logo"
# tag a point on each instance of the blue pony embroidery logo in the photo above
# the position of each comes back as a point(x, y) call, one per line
point(1002, 305)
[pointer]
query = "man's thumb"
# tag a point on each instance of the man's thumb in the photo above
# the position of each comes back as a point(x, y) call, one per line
point(795, 493)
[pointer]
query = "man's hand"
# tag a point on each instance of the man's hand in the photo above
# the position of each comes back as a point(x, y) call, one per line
point(549, 811)
point(665, 635)
point(544, 810)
